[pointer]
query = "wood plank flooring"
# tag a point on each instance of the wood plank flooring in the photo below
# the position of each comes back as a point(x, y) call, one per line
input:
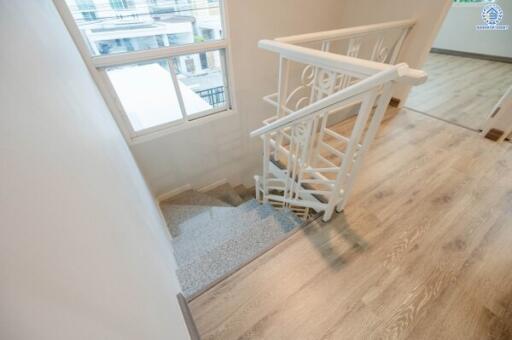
point(423, 251)
point(461, 90)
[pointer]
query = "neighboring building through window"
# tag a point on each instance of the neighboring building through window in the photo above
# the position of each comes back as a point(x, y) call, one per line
point(87, 9)
point(173, 87)
point(473, 1)
point(120, 4)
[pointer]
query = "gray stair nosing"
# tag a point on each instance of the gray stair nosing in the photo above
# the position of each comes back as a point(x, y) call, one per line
point(261, 253)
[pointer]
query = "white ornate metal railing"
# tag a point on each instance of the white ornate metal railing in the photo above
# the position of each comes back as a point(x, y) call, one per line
point(298, 84)
point(306, 164)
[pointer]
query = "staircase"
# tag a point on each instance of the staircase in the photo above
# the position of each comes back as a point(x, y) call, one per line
point(309, 166)
point(217, 232)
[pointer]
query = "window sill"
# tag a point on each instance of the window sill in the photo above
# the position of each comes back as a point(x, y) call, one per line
point(186, 125)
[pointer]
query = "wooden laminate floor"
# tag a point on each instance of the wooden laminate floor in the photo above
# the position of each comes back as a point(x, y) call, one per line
point(461, 90)
point(423, 251)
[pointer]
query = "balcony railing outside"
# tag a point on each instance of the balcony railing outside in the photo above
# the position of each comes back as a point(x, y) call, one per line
point(214, 96)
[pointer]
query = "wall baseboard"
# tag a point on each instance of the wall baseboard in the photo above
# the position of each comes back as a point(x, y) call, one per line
point(186, 187)
point(189, 320)
point(472, 55)
point(213, 185)
point(172, 193)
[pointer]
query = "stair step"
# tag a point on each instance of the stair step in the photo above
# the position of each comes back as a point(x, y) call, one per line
point(176, 215)
point(228, 256)
point(185, 206)
point(245, 193)
point(212, 228)
point(193, 197)
point(227, 194)
point(281, 164)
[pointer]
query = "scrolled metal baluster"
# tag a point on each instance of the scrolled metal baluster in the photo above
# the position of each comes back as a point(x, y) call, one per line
point(377, 48)
point(266, 164)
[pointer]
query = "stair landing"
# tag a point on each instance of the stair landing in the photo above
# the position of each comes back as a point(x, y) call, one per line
point(216, 233)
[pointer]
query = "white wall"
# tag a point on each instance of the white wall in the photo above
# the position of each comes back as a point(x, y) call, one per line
point(458, 32)
point(83, 252)
point(429, 15)
point(222, 149)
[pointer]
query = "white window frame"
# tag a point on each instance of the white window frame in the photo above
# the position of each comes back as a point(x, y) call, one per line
point(97, 66)
point(472, 4)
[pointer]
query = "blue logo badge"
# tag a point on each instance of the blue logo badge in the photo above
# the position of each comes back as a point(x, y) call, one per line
point(492, 15)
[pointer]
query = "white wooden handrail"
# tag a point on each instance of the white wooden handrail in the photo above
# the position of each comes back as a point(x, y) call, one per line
point(390, 73)
point(345, 33)
point(336, 62)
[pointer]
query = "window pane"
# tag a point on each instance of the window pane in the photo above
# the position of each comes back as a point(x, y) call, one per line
point(117, 26)
point(147, 93)
point(201, 77)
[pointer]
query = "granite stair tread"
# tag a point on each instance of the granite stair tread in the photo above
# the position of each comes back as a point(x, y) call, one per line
point(176, 215)
point(216, 232)
point(228, 256)
point(212, 228)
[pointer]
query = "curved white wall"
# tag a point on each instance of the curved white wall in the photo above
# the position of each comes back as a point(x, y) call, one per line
point(83, 251)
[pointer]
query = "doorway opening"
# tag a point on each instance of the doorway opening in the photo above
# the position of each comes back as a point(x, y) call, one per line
point(470, 64)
